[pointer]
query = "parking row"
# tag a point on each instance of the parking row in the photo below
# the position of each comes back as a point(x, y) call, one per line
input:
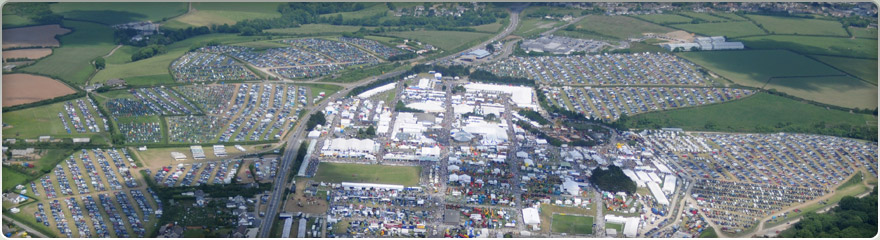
point(202, 66)
point(374, 46)
point(612, 102)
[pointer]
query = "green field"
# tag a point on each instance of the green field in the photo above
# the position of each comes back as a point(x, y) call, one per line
point(315, 29)
point(488, 28)
point(859, 47)
point(708, 233)
point(121, 55)
point(328, 89)
point(43, 120)
point(262, 45)
point(119, 12)
point(572, 224)
point(754, 68)
point(730, 16)
point(11, 178)
point(574, 12)
point(844, 91)
point(11, 20)
point(531, 27)
point(51, 157)
point(704, 16)
point(856, 31)
point(801, 26)
point(759, 113)
point(154, 70)
point(664, 18)
point(446, 40)
point(71, 61)
point(371, 9)
point(617, 226)
point(866, 69)
point(219, 13)
point(728, 29)
point(345, 172)
point(624, 27)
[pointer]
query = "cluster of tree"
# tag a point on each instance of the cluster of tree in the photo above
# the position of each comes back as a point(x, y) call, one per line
point(557, 111)
point(315, 120)
point(612, 180)
point(534, 116)
point(40, 13)
point(486, 76)
point(100, 63)
point(366, 134)
point(855, 21)
point(852, 218)
point(300, 156)
point(400, 107)
point(148, 52)
point(18, 59)
point(168, 36)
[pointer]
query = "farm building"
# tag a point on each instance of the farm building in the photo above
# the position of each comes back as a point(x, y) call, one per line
point(479, 53)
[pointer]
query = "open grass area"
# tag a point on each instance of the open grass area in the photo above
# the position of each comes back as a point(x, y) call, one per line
point(10, 20)
point(801, 26)
point(758, 113)
point(547, 212)
point(617, 226)
point(43, 120)
point(531, 27)
point(729, 16)
point(219, 13)
point(121, 55)
point(624, 27)
point(155, 70)
point(857, 32)
point(371, 9)
point(664, 18)
point(844, 91)
point(446, 40)
point(71, 61)
point(865, 69)
point(315, 29)
point(852, 190)
point(728, 29)
point(488, 28)
point(709, 233)
point(755, 68)
point(574, 12)
point(11, 178)
point(262, 45)
point(572, 224)
point(848, 47)
point(326, 88)
point(343, 172)
point(51, 157)
point(119, 12)
point(703, 16)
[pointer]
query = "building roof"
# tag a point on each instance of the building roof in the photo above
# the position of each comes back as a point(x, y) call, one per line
point(530, 216)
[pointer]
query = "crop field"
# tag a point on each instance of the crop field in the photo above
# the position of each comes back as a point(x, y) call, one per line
point(347, 172)
point(530, 27)
point(665, 18)
point(32, 54)
point(865, 69)
point(116, 13)
point(752, 114)
point(446, 40)
point(71, 61)
point(863, 32)
point(572, 224)
point(36, 36)
point(844, 91)
point(801, 26)
point(26, 88)
point(703, 16)
point(847, 47)
point(310, 29)
point(488, 28)
point(626, 27)
point(728, 29)
point(755, 68)
point(729, 16)
point(44, 120)
point(219, 13)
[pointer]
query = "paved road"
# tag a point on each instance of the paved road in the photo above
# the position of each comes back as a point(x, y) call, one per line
point(514, 22)
point(30, 230)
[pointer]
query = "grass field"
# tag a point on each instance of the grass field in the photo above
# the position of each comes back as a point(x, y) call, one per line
point(342, 172)
point(121, 55)
point(664, 18)
point(326, 88)
point(859, 47)
point(548, 211)
point(703, 16)
point(71, 61)
point(154, 70)
point(747, 115)
point(488, 28)
point(531, 27)
point(844, 91)
point(10, 20)
point(315, 29)
point(572, 224)
point(617, 226)
point(51, 157)
point(371, 9)
point(709, 233)
point(219, 13)
point(119, 12)
point(802, 26)
point(754, 68)
point(866, 69)
point(856, 31)
point(446, 40)
point(730, 16)
point(43, 120)
point(11, 178)
point(728, 29)
point(625, 27)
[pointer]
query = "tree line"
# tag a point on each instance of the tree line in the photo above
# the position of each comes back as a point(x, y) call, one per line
point(852, 218)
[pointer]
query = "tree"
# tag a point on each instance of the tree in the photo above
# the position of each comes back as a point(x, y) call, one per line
point(100, 63)
point(612, 180)
point(490, 47)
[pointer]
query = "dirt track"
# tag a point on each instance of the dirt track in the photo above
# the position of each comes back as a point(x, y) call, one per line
point(37, 36)
point(25, 88)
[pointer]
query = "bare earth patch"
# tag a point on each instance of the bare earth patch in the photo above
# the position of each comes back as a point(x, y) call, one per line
point(26, 88)
point(37, 36)
point(34, 53)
